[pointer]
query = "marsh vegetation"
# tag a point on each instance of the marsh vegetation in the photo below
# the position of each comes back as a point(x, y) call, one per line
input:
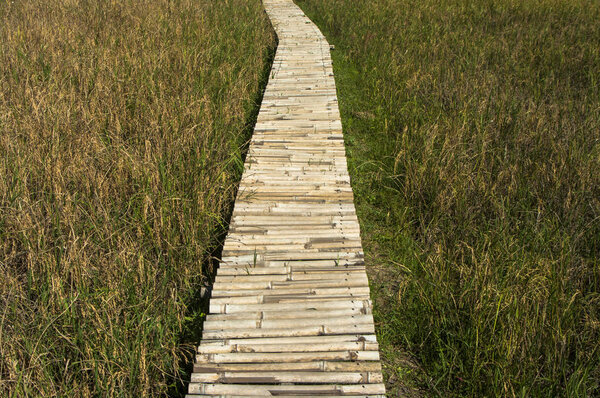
point(122, 125)
point(473, 131)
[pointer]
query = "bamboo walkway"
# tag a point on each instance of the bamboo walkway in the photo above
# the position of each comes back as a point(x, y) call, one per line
point(290, 313)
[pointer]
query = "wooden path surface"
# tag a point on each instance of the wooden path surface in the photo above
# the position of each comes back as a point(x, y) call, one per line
point(290, 313)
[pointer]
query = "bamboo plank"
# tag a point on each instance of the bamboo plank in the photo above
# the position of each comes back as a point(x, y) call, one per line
point(314, 305)
point(323, 366)
point(318, 330)
point(316, 319)
point(282, 396)
point(306, 313)
point(337, 346)
point(271, 357)
point(295, 340)
point(279, 390)
point(355, 282)
point(288, 377)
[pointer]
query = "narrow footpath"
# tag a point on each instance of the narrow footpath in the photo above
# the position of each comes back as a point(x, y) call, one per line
point(290, 313)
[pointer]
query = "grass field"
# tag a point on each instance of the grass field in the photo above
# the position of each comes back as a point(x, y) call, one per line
point(473, 131)
point(122, 126)
point(473, 135)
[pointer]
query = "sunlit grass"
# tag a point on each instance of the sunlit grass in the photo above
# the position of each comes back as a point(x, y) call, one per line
point(121, 132)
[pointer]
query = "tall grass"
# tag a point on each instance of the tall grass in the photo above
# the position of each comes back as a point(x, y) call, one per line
point(473, 129)
point(121, 128)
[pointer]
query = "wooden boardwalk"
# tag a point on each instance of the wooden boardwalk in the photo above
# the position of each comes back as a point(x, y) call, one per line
point(290, 313)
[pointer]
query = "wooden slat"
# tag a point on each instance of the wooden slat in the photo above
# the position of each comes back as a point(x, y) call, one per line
point(290, 313)
point(279, 390)
point(287, 377)
point(280, 395)
point(290, 347)
point(324, 320)
point(315, 366)
point(284, 396)
point(296, 340)
point(253, 357)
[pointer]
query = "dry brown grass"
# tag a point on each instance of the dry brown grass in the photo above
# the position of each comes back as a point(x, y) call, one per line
point(121, 128)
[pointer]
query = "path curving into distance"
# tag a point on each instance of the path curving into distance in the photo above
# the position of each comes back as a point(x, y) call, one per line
point(290, 313)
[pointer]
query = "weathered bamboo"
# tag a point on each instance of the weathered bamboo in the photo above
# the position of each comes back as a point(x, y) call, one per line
point(290, 313)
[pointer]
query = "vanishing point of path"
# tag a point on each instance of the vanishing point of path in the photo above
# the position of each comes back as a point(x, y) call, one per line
point(290, 313)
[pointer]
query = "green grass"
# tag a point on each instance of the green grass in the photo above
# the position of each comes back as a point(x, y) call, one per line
point(473, 135)
point(122, 127)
